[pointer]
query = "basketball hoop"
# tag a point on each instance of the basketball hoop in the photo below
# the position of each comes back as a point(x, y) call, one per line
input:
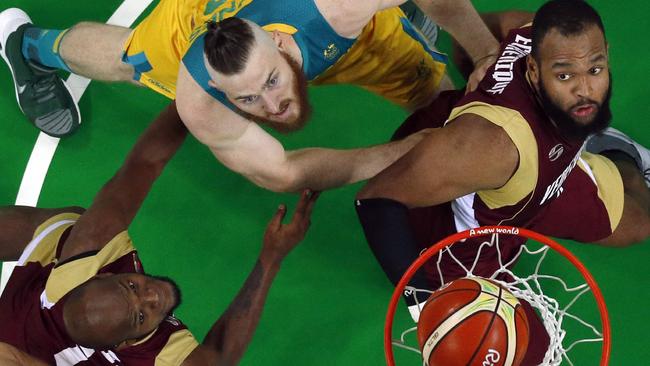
point(530, 287)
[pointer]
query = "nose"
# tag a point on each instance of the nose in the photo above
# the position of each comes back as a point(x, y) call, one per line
point(150, 297)
point(584, 88)
point(271, 102)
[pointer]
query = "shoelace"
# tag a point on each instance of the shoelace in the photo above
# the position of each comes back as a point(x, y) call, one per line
point(646, 175)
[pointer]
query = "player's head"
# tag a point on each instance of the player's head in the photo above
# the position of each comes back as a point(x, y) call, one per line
point(251, 67)
point(111, 309)
point(569, 66)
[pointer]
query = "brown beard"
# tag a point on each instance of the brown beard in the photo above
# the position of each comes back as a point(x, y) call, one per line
point(304, 108)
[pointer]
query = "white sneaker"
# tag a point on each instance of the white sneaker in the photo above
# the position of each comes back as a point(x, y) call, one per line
point(613, 139)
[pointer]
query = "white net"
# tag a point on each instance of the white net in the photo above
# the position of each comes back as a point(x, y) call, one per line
point(536, 288)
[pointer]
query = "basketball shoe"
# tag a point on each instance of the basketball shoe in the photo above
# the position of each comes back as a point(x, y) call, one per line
point(613, 139)
point(41, 94)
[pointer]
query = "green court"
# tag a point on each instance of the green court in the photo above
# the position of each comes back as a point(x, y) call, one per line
point(202, 224)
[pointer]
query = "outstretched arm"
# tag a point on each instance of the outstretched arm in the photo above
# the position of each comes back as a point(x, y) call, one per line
point(228, 338)
point(247, 149)
point(262, 159)
point(119, 200)
point(468, 155)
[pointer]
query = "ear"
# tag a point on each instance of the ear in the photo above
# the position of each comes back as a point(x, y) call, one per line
point(533, 69)
point(277, 39)
point(212, 84)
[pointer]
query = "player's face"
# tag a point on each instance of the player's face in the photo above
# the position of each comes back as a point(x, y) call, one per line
point(127, 306)
point(573, 80)
point(271, 89)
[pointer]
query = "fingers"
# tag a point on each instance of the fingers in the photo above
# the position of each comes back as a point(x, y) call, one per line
point(305, 204)
point(276, 221)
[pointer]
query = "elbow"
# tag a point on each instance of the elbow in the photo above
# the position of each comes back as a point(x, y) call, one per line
point(287, 181)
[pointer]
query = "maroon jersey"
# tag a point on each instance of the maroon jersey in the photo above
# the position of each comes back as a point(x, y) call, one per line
point(557, 189)
point(31, 306)
point(550, 166)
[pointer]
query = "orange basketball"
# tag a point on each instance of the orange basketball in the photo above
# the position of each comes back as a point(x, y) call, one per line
point(473, 322)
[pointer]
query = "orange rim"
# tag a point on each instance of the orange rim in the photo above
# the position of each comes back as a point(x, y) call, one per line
point(484, 231)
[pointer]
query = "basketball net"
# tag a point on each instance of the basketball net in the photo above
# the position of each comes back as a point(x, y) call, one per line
point(530, 287)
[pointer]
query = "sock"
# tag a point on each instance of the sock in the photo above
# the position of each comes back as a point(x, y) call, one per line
point(41, 46)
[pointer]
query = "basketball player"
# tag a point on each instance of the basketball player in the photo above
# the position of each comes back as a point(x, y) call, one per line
point(80, 295)
point(510, 153)
point(229, 74)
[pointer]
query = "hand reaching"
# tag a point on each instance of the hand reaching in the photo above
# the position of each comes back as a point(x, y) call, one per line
point(481, 67)
point(281, 238)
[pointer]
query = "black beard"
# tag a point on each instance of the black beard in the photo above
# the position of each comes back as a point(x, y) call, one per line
point(568, 127)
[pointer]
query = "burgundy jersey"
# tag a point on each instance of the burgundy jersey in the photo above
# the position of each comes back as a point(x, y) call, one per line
point(550, 166)
point(31, 306)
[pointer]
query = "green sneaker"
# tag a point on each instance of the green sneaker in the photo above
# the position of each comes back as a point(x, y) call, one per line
point(42, 96)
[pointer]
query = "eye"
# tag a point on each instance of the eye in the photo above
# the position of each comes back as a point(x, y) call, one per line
point(596, 70)
point(249, 100)
point(141, 317)
point(563, 77)
point(273, 81)
point(131, 285)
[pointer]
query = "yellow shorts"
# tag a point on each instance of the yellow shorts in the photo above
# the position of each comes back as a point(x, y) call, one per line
point(389, 58)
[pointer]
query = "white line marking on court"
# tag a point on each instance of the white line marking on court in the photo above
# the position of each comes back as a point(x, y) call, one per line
point(45, 147)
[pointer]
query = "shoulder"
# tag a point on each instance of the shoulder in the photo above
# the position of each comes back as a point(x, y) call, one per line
point(169, 345)
point(349, 17)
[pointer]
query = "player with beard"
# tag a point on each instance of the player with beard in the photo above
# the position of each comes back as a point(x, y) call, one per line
point(511, 153)
point(230, 74)
point(79, 294)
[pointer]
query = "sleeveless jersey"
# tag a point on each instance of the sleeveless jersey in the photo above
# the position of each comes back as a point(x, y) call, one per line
point(546, 159)
point(319, 44)
point(31, 307)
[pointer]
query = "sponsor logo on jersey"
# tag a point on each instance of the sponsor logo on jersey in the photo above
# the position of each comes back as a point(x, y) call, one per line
point(331, 51)
point(556, 152)
point(555, 188)
point(502, 73)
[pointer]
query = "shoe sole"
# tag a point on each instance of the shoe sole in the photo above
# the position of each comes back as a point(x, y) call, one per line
point(16, 14)
point(5, 17)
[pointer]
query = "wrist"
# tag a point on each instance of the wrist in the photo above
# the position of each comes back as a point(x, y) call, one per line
point(484, 58)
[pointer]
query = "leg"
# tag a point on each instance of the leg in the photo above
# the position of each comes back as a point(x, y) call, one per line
point(95, 50)
point(17, 225)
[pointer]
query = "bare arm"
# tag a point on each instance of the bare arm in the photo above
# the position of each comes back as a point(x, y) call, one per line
point(119, 200)
point(12, 356)
point(468, 155)
point(246, 148)
point(228, 338)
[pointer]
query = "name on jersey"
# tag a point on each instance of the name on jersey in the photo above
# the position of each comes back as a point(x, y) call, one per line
point(555, 188)
point(503, 74)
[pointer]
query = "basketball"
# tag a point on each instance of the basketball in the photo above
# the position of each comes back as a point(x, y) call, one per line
point(472, 322)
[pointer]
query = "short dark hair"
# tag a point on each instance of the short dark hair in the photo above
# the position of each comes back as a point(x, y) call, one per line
point(569, 17)
point(228, 44)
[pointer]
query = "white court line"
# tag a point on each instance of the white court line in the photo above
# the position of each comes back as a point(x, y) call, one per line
point(45, 147)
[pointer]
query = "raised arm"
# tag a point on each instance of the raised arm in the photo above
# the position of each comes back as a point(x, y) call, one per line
point(246, 148)
point(119, 200)
point(468, 155)
point(228, 338)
